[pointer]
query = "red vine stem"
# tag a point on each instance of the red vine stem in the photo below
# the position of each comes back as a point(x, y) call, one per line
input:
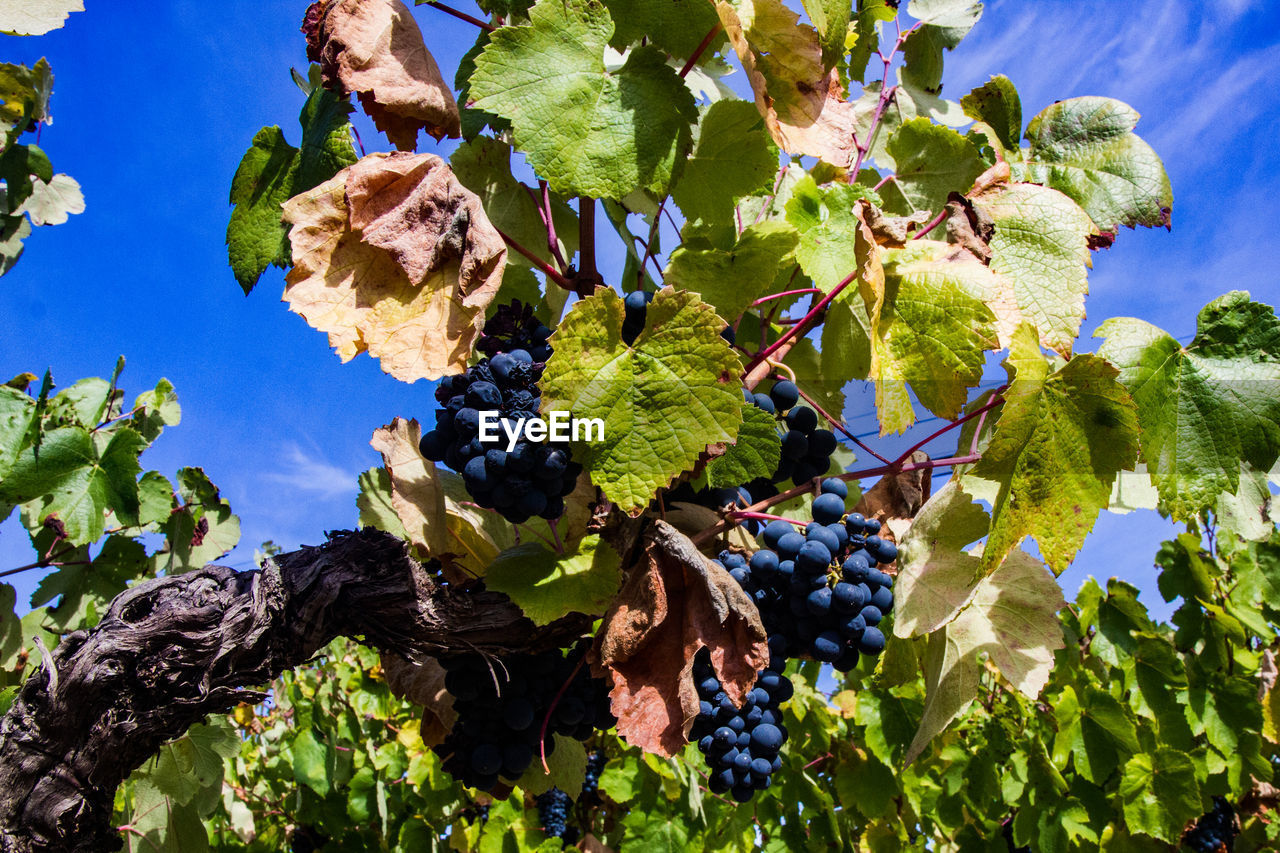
point(838, 424)
point(553, 241)
point(996, 400)
point(648, 244)
point(542, 735)
point(546, 269)
point(700, 49)
point(805, 323)
point(930, 225)
point(801, 292)
point(462, 16)
point(764, 516)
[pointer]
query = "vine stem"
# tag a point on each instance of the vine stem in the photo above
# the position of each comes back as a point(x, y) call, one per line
point(838, 424)
point(648, 244)
point(886, 95)
point(544, 267)
point(805, 323)
point(764, 516)
point(700, 49)
point(588, 276)
point(996, 400)
point(462, 16)
point(801, 292)
point(546, 720)
point(886, 179)
point(553, 241)
point(930, 225)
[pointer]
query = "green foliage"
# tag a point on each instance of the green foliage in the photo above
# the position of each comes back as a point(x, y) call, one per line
point(272, 171)
point(998, 711)
point(587, 130)
point(662, 399)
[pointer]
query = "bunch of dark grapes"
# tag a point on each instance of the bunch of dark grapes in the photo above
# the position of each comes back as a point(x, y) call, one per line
point(822, 589)
point(553, 812)
point(595, 765)
point(741, 744)
point(1216, 831)
point(532, 479)
point(806, 449)
point(501, 707)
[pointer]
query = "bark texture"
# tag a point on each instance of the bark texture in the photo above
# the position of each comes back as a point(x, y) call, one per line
point(171, 651)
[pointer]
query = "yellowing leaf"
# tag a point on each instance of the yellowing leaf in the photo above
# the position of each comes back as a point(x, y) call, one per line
point(1059, 443)
point(803, 103)
point(430, 504)
point(1011, 618)
point(394, 257)
point(35, 17)
point(375, 49)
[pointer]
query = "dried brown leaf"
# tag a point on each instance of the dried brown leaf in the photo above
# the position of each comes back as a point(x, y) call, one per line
point(803, 103)
point(422, 684)
point(675, 602)
point(897, 497)
point(410, 282)
point(375, 49)
point(431, 505)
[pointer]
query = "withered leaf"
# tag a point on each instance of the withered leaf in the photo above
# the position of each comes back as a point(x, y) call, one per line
point(430, 504)
point(802, 102)
point(422, 684)
point(393, 256)
point(675, 602)
point(375, 49)
point(897, 497)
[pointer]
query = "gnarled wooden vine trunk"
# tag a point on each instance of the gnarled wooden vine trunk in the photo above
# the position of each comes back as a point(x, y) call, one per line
point(171, 651)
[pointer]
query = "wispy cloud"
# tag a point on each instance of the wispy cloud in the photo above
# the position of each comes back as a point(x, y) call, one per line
point(308, 473)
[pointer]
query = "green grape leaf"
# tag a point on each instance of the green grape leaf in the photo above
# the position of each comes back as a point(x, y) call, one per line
point(272, 171)
point(156, 409)
point(314, 761)
point(155, 498)
point(1040, 249)
point(733, 156)
point(863, 38)
point(13, 230)
point(1250, 510)
point(85, 590)
point(16, 413)
point(160, 825)
point(1206, 407)
point(826, 218)
point(931, 162)
point(483, 166)
point(1096, 729)
point(1160, 793)
point(36, 17)
point(831, 19)
point(755, 453)
point(675, 26)
point(663, 399)
point(1086, 149)
point(1011, 616)
point(997, 109)
point(200, 530)
point(930, 329)
point(1061, 440)
point(943, 24)
point(567, 765)
point(78, 477)
point(546, 585)
point(375, 503)
point(729, 280)
point(586, 130)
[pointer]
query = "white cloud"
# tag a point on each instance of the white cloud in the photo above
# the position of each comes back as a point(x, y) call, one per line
point(304, 472)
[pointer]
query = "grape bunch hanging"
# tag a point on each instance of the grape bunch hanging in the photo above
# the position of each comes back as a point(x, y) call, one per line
point(1215, 831)
point(741, 743)
point(504, 705)
point(533, 478)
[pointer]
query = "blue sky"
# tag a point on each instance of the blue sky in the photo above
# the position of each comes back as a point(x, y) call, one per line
point(155, 103)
